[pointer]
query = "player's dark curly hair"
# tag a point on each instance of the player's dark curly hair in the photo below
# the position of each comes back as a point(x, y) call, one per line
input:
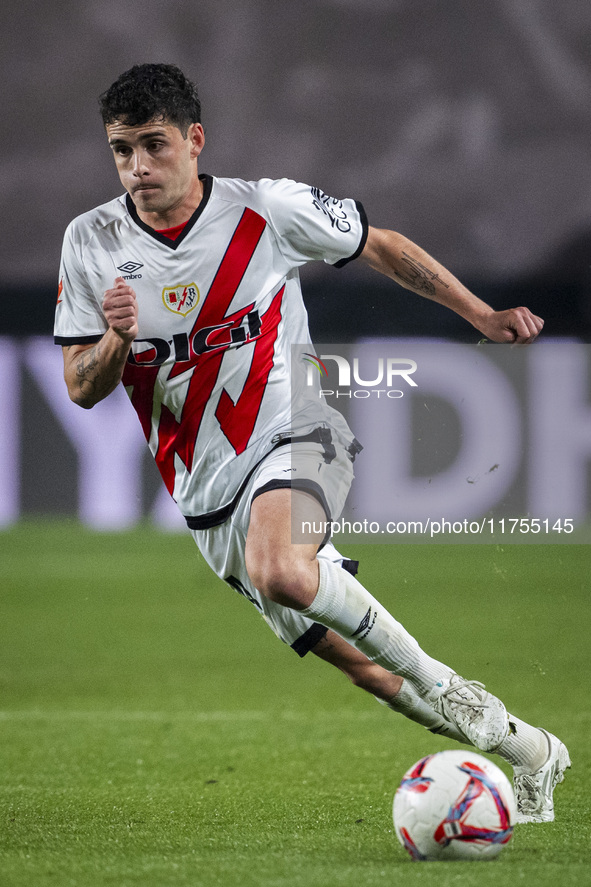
point(152, 92)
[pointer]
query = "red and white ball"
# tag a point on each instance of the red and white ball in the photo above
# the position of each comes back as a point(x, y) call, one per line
point(454, 805)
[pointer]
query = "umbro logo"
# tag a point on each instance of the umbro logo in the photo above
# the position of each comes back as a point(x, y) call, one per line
point(128, 269)
point(366, 624)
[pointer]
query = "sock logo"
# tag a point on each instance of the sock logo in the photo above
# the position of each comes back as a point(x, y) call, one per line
point(366, 624)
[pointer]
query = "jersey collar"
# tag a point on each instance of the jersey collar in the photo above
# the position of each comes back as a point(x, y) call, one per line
point(161, 238)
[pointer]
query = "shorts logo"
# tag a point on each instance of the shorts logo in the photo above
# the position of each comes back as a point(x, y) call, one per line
point(182, 298)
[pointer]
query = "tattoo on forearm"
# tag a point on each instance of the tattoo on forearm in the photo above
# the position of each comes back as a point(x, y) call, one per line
point(92, 381)
point(419, 277)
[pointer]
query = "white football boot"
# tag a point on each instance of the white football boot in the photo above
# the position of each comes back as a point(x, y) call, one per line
point(478, 715)
point(533, 791)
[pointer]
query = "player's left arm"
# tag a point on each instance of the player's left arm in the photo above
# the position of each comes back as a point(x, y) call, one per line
point(402, 260)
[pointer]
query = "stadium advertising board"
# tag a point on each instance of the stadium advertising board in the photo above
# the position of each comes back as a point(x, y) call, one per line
point(462, 443)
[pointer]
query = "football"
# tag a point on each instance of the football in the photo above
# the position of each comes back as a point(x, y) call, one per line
point(454, 805)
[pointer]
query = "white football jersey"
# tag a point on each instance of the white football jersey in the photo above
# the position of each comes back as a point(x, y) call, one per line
point(210, 372)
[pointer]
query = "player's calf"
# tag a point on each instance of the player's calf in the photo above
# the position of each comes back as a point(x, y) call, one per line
point(360, 670)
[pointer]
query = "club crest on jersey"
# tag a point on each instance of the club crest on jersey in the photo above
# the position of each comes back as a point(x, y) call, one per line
point(181, 299)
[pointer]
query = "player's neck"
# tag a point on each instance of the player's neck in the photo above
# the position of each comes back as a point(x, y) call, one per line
point(177, 214)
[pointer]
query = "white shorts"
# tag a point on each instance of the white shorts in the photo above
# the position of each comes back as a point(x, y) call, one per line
point(300, 466)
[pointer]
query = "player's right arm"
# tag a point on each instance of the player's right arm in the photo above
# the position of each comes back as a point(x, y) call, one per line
point(92, 372)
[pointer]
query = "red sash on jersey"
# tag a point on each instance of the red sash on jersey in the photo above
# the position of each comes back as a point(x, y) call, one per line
point(237, 418)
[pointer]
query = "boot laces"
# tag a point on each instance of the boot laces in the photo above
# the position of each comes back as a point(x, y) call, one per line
point(452, 693)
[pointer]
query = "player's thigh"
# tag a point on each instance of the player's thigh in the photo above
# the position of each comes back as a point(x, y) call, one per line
point(294, 497)
point(280, 557)
point(286, 523)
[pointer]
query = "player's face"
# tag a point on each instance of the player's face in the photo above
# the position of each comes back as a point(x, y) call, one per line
point(157, 166)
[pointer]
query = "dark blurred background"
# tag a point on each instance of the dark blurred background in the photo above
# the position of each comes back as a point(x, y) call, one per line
point(466, 126)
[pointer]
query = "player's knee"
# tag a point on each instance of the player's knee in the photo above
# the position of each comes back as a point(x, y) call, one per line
point(285, 582)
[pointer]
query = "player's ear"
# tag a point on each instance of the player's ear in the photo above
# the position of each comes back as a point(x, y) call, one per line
point(196, 136)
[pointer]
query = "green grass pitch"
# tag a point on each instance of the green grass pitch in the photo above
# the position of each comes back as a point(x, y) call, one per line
point(154, 732)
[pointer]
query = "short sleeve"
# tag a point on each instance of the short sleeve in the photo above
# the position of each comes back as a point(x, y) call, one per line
point(311, 225)
point(78, 317)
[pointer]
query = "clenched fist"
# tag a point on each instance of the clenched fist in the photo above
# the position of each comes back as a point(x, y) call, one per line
point(120, 310)
point(515, 325)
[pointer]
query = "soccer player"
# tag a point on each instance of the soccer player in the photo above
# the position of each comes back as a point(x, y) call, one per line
point(186, 290)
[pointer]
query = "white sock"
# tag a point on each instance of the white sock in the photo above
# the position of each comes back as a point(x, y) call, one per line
point(408, 703)
point(345, 606)
point(525, 747)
